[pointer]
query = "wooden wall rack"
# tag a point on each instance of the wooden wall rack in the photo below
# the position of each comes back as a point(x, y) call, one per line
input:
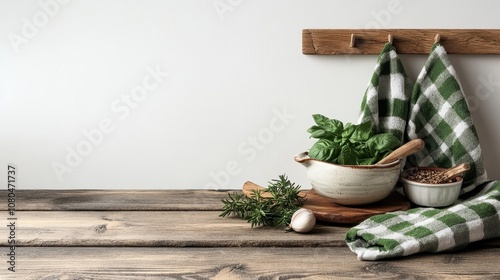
point(406, 41)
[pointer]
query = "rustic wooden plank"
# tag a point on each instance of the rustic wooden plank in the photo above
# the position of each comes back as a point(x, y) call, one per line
point(406, 41)
point(157, 228)
point(116, 200)
point(244, 263)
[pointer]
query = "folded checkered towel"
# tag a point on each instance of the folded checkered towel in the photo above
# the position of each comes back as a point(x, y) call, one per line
point(403, 233)
point(438, 114)
point(387, 96)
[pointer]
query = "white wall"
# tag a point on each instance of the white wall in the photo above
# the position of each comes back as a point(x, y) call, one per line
point(219, 74)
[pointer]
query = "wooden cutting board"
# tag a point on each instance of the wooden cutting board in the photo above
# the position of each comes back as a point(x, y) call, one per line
point(326, 210)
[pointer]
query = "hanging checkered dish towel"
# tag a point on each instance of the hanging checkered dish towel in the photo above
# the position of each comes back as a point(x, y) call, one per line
point(387, 96)
point(439, 115)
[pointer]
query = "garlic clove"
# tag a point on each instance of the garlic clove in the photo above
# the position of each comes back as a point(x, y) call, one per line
point(303, 220)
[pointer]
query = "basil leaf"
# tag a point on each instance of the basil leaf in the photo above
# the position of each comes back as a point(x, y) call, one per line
point(349, 129)
point(319, 132)
point(320, 119)
point(362, 133)
point(382, 143)
point(330, 125)
point(348, 156)
point(367, 161)
point(325, 150)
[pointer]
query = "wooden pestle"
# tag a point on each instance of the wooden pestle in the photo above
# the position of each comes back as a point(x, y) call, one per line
point(407, 149)
point(453, 172)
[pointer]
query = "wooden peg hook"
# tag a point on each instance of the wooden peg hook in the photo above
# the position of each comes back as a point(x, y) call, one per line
point(389, 38)
point(353, 40)
point(437, 38)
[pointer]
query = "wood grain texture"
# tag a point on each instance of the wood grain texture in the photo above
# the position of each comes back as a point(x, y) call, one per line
point(184, 243)
point(326, 210)
point(158, 228)
point(248, 263)
point(406, 41)
point(116, 200)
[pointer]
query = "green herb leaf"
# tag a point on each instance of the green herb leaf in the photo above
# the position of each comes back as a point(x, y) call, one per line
point(382, 143)
point(349, 129)
point(349, 144)
point(325, 150)
point(330, 125)
point(362, 133)
point(319, 132)
point(348, 156)
point(262, 211)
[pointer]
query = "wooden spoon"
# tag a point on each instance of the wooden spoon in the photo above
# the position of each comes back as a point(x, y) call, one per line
point(407, 149)
point(453, 172)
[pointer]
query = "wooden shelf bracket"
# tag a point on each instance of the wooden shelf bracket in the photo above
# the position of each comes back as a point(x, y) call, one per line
point(406, 41)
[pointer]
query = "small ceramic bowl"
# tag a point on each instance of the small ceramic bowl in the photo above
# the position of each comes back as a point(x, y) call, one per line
point(431, 195)
point(351, 184)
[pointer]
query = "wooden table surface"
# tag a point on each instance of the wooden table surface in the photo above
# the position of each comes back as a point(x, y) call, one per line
point(178, 234)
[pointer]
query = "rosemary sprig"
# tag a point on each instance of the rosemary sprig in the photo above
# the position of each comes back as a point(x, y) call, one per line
point(258, 210)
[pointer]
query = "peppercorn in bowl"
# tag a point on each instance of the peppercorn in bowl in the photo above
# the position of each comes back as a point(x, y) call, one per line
point(422, 187)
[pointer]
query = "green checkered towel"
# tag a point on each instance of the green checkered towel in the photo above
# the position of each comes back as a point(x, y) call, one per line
point(417, 230)
point(438, 114)
point(387, 96)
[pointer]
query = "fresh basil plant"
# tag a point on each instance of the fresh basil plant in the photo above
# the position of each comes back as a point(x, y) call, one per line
point(349, 144)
